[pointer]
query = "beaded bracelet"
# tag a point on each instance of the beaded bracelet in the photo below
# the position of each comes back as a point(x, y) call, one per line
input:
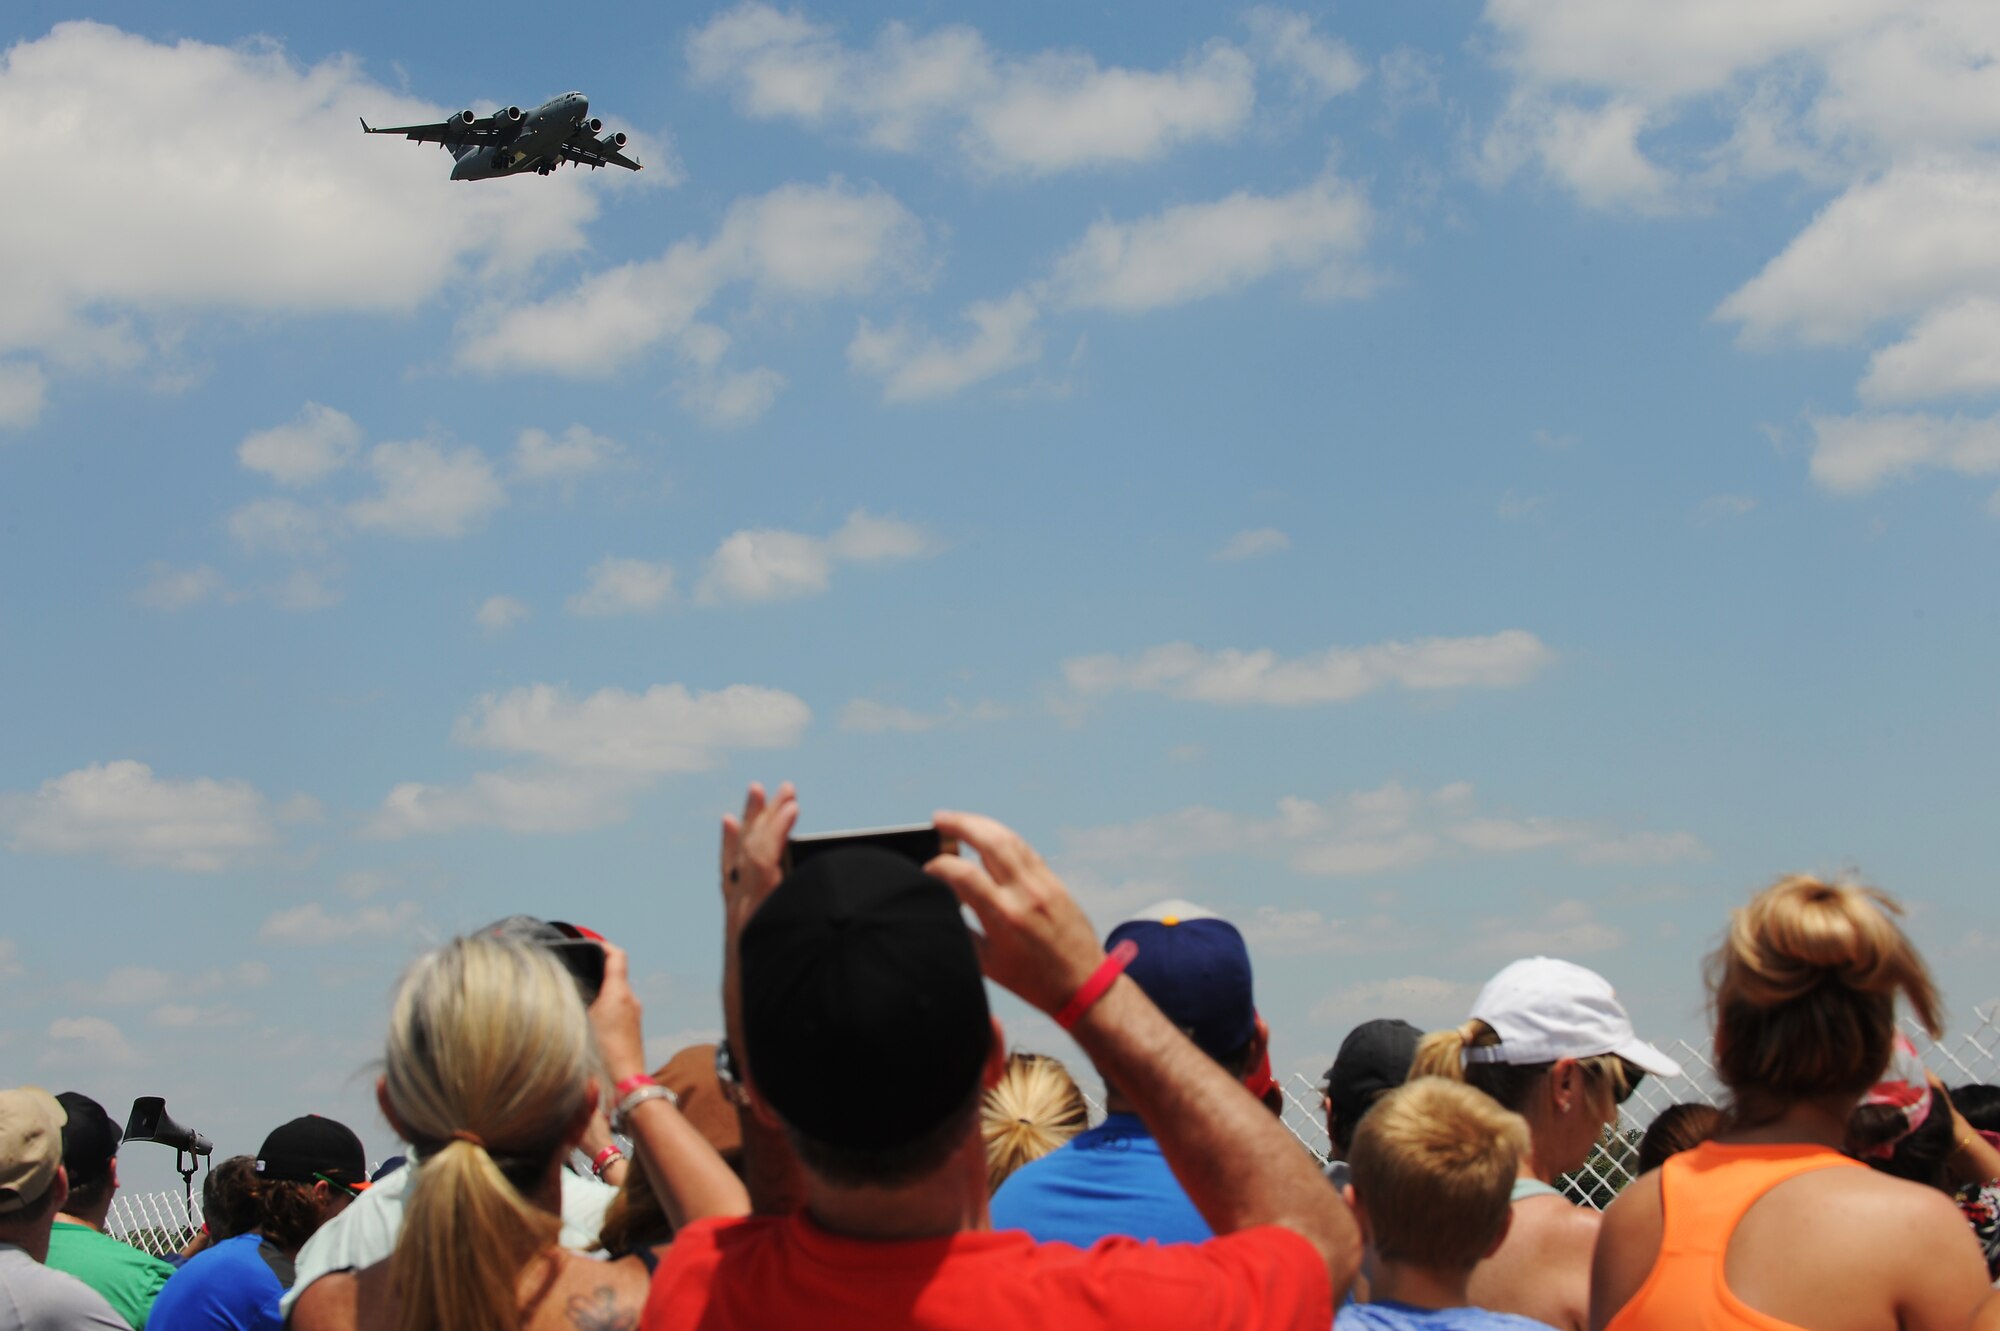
point(621, 1116)
point(604, 1159)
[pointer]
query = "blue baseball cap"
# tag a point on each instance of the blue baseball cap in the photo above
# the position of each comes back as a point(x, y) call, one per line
point(1194, 966)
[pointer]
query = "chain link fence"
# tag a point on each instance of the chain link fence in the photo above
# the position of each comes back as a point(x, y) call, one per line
point(156, 1222)
point(160, 1223)
point(1970, 1056)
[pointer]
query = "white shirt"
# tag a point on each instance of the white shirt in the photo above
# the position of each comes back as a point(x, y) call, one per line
point(366, 1231)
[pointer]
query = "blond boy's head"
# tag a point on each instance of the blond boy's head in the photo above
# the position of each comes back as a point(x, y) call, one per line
point(1434, 1165)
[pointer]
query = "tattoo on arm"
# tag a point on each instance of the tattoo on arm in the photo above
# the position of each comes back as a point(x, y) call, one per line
point(600, 1310)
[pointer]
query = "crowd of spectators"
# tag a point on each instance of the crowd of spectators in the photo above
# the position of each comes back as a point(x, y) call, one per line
point(861, 1150)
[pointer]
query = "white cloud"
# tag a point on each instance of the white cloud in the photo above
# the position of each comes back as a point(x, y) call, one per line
point(1913, 239)
point(914, 366)
point(307, 589)
point(619, 586)
point(1592, 151)
point(1566, 929)
point(532, 802)
point(276, 525)
point(1370, 832)
point(122, 811)
point(23, 385)
point(427, 491)
point(1952, 351)
point(169, 588)
point(1721, 508)
point(313, 925)
point(128, 986)
point(797, 243)
point(947, 91)
point(1422, 1000)
point(667, 728)
point(91, 1042)
point(767, 564)
point(305, 451)
point(1855, 454)
point(266, 164)
point(1338, 674)
point(1271, 931)
point(540, 456)
point(191, 1016)
point(1253, 544)
point(1320, 67)
point(731, 397)
point(1196, 250)
point(499, 613)
point(867, 717)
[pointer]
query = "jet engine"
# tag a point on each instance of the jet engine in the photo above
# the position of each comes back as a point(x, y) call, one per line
point(512, 115)
point(613, 141)
point(465, 117)
point(594, 125)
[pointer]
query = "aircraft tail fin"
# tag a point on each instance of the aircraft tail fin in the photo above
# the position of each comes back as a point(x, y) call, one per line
point(364, 125)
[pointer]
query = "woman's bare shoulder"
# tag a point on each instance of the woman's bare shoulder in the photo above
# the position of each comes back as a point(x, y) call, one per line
point(595, 1296)
point(328, 1304)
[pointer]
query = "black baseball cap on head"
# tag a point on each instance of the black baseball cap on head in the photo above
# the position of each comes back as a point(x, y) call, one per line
point(310, 1148)
point(580, 950)
point(864, 1013)
point(89, 1138)
point(1375, 1057)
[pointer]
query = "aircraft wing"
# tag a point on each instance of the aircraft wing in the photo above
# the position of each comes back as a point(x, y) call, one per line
point(455, 132)
point(586, 150)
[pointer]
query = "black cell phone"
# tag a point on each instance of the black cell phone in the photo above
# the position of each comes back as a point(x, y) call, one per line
point(920, 842)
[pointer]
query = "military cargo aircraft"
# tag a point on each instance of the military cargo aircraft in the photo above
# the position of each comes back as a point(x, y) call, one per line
point(514, 142)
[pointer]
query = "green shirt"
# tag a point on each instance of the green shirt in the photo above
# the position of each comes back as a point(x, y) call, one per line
point(128, 1279)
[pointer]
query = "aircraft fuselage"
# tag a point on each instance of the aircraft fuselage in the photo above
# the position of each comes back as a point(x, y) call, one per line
point(535, 144)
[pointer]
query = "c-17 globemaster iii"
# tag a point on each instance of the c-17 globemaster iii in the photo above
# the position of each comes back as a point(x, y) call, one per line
point(514, 142)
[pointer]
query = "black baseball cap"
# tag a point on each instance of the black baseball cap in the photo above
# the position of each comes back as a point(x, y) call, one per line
point(580, 950)
point(312, 1148)
point(89, 1138)
point(1375, 1057)
point(864, 1013)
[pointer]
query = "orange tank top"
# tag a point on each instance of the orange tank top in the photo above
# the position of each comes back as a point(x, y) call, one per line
point(1704, 1192)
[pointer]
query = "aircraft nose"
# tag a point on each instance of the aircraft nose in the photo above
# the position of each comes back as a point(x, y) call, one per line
point(582, 103)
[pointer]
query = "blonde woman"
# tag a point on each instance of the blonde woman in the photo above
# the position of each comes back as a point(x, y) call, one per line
point(1768, 1226)
point(491, 1075)
point(1034, 1108)
point(1549, 1040)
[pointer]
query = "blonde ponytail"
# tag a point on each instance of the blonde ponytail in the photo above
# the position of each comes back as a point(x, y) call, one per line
point(489, 1064)
point(1442, 1053)
point(1033, 1108)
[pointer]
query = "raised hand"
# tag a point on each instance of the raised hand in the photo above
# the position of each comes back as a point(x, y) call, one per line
point(753, 850)
point(1038, 942)
point(615, 1017)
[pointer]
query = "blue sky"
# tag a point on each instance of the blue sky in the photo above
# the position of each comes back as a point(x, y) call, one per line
point(1432, 483)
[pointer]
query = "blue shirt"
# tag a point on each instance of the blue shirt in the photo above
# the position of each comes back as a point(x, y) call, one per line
point(1389, 1316)
point(1109, 1180)
point(234, 1286)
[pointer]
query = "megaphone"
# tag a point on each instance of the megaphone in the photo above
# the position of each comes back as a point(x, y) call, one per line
point(150, 1122)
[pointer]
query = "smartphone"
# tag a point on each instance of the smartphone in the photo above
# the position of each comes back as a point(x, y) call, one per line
point(919, 842)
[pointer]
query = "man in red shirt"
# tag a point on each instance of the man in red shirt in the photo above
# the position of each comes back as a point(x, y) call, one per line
point(852, 991)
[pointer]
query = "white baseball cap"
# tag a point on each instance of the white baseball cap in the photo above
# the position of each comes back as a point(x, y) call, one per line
point(1544, 1009)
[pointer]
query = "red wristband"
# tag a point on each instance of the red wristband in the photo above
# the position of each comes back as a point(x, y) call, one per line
point(1102, 978)
point(631, 1084)
point(600, 1161)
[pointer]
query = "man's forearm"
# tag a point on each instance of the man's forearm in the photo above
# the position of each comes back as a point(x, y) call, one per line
point(1239, 1165)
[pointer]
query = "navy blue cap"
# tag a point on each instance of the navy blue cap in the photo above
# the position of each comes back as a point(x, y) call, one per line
point(1196, 969)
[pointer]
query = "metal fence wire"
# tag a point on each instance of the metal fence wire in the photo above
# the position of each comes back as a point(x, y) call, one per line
point(156, 1222)
point(1967, 1057)
point(160, 1223)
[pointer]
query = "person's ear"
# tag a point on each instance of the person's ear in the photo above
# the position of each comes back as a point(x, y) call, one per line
point(579, 1122)
point(1565, 1079)
point(1500, 1235)
point(389, 1110)
point(1355, 1205)
point(996, 1058)
point(61, 1186)
point(114, 1173)
point(760, 1107)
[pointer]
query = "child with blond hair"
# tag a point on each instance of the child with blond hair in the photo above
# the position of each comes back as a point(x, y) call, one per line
point(1434, 1164)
